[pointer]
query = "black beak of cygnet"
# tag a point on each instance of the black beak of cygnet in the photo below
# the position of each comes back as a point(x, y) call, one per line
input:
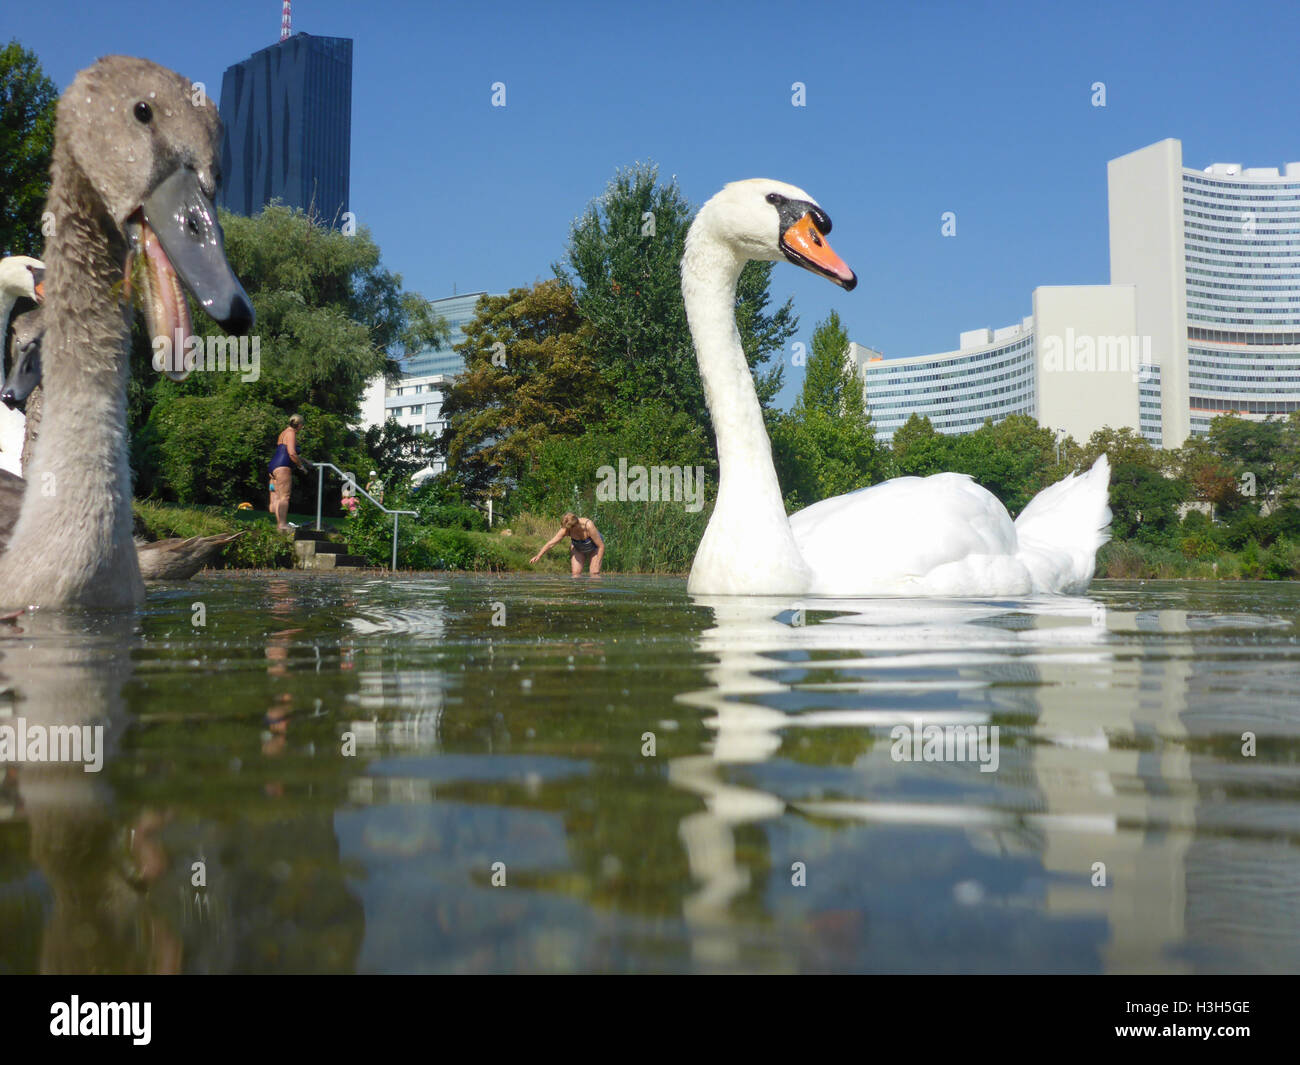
point(177, 234)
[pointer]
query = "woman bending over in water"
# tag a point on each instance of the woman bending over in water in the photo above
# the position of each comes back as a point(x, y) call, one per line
point(585, 544)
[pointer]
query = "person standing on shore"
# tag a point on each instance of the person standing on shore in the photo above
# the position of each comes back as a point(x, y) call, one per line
point(281, 470)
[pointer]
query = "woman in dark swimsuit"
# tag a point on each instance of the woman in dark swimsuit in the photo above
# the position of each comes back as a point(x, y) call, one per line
point(585, 544)
point(281, 470)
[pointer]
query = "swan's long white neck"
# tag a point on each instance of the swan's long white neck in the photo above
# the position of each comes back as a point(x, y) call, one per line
point(72, 544)
point(7, 301)
point(748, 548)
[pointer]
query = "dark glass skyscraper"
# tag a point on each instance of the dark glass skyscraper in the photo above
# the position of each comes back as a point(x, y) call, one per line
point(288, 116)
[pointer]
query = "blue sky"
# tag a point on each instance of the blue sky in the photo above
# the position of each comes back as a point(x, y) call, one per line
point(913, 109)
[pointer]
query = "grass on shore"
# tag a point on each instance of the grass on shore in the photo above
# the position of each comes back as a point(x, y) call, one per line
point(1137, 561)
point(261, 547)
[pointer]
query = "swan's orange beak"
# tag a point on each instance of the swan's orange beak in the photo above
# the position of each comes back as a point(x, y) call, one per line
point(40, 292)
point(805, 245)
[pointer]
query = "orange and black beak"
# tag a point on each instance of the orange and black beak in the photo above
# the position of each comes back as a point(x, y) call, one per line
point(804, 243)
point(38, 279)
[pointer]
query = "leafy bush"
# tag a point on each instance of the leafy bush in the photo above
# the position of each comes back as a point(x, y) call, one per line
point(449, 515)
point(369, 533)
point(1249, 564)
point(209, 448)
point(1198, 545)
point(1281, 562)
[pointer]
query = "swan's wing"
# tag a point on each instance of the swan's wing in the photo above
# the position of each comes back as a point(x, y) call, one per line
point(11, 502)
point(1062, 528)
point(903, 531)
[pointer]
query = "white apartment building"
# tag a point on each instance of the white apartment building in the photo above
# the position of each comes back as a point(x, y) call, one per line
point(1201, 318)
point(414, 402)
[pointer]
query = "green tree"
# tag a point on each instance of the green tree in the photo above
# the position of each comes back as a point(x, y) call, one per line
point(826, 445)
point(1289, 466)
point(1123, 446)
point(330, 318)
point(529, 375)
point(920, 449)
point(396, 450)
point(1145, 491)
point(1144, 504)
point(212, 448)
point(829, 382)
point(1015, 459)
point(624, 260)
point(27, 102)
point(1253, 451)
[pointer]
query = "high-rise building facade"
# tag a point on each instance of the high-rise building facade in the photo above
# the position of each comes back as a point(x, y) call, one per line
point(415, 399)
point(1201, 318)
point(458, 311)
point(1215, 257)
point(288, 116)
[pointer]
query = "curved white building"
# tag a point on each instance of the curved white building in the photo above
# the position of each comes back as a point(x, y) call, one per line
point(990, 375)
point(1215, 257)
point(1075, 365)
point(1201, 318)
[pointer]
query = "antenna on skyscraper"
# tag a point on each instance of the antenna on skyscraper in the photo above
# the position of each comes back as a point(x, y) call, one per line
point(286, 21)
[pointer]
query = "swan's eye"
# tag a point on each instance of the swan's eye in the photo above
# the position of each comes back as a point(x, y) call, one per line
point(775, 197)
point(143, 111)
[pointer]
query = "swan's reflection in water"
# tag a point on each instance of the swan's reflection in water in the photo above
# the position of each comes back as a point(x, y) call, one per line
point(193, 848)
point(400, 706)
point(1091, 740)
point(66, 670)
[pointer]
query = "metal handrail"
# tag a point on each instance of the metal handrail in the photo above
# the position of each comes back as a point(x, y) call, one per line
point(346, 477)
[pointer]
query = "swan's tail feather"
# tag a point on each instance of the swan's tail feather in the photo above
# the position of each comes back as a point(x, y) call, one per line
point(1066, 522)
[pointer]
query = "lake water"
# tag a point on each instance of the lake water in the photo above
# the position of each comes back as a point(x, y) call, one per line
point(337, 774)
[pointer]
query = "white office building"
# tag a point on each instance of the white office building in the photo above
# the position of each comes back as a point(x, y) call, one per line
point(1075, 364)
point(413, 402)
point(1201, 318)
point(1215, 256)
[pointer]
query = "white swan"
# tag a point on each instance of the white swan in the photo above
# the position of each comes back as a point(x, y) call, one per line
point(940, 535)
point(20, 276)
